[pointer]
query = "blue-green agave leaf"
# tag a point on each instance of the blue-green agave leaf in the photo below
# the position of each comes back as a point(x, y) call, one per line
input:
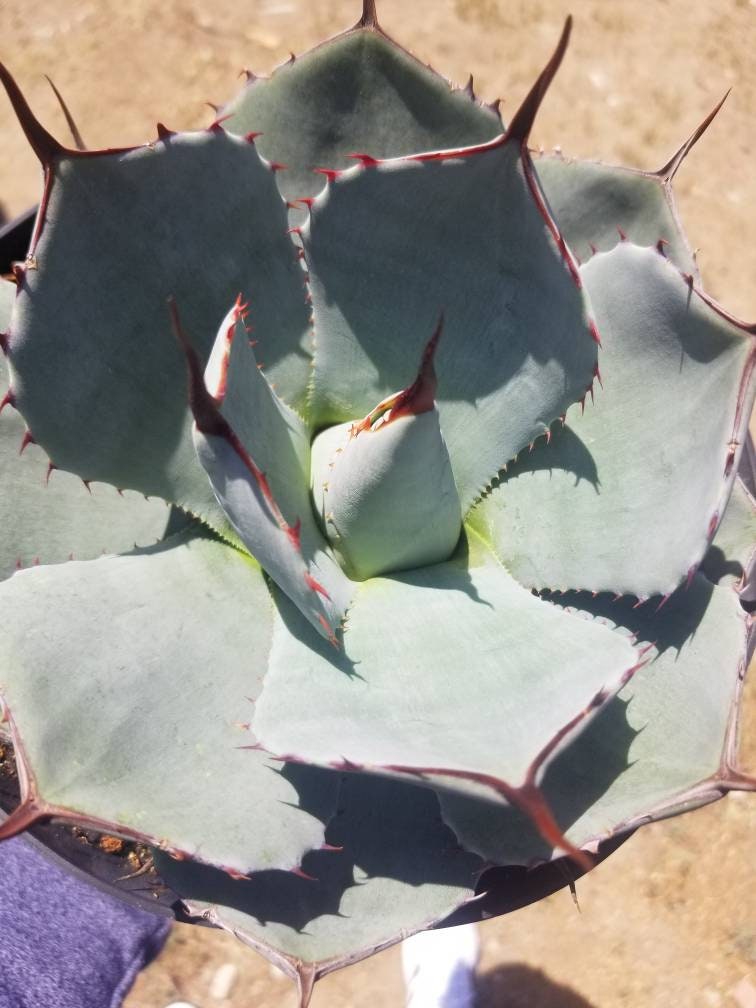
point(360, 91)
point(48, 517)
point(665, 743)
point(466, 232)
point(123, 679)
point(628, 497)
point(7, 297)
point(596, 204)
point(397, 870)
point(90, 334)
point(449, 672)
point(731, 555)
point(255, 451)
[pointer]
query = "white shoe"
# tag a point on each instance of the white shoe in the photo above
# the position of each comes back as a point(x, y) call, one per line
point(439, 967)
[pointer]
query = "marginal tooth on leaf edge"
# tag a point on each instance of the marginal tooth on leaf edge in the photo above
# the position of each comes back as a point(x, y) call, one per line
point(26, 440)
point(301, 873)
point(331, 174)
point(366, 160)
point(216, 126)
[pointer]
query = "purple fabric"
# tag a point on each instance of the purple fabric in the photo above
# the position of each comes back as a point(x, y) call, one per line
point(63, 943)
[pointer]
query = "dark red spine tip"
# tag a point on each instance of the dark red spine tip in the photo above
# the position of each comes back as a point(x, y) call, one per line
point(26, 440)
point(369, 17)
point(216, 126)
point(70, 122)
point(301, 873)
point(330, 173)
point(44, 144)
point(204, 409)
point(524, 117)
point(421, 394)
point(366, 160)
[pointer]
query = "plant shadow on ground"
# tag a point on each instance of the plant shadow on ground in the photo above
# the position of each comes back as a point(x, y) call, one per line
point(515, 985)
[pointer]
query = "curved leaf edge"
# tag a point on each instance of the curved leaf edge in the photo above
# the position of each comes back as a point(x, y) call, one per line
point(46, 474)
point(663, 177)
point(304, 974)
point(50, 151)
point(526, 796)
point(726, 778)
point(368, 22)
point(33, 808)
point(743, 408)
point(517, 133)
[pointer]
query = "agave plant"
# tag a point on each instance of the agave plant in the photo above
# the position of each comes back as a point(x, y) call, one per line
point(463, 626)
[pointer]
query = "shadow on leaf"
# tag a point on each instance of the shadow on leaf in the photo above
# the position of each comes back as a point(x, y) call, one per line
point(565, 451)
point(386, 829)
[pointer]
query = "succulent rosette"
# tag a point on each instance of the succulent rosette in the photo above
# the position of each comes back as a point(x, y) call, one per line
point(441, 491)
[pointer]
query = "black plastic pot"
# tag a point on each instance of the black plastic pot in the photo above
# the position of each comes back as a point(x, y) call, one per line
point(15, 237)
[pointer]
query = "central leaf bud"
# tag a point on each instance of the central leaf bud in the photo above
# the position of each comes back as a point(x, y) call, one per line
point(383, 487)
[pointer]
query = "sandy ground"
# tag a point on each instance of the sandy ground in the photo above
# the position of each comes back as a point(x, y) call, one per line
point(671, 918)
